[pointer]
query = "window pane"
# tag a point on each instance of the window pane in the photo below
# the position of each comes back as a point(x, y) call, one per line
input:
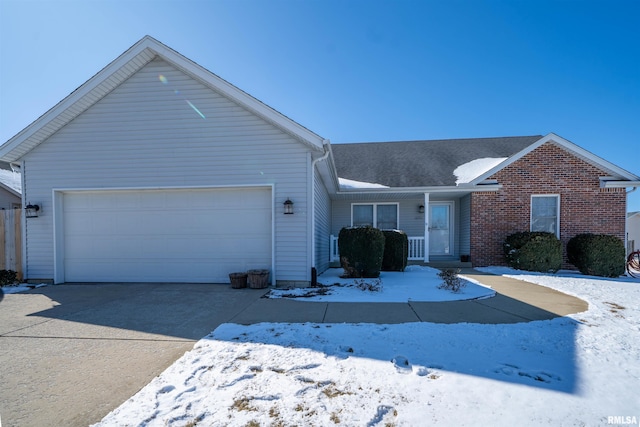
point(387, 217)
point(544, 214)
point(362, 215)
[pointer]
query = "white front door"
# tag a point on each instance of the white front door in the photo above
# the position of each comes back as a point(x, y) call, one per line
point(440, 229)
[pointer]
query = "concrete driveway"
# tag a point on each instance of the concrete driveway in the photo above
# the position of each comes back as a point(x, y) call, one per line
point(70, 354)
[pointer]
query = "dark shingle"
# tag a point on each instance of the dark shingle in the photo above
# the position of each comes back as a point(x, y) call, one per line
point(419, 163)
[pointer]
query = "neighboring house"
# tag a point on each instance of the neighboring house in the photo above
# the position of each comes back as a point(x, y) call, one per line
point(157, 170)
point(633, 232)
point(10, 187)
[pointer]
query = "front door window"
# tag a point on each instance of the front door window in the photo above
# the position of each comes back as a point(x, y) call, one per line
point(440, 229)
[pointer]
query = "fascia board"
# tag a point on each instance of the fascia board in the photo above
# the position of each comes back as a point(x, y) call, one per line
point(619, 184)
point(138, 50)
point(10, 190)
point(67, 102)
point(239, 96)
point(431, 190)
point(567, 145)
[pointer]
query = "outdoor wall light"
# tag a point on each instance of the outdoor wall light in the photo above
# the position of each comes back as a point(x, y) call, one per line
point(31, 211)
point(421, 208)
point(288, 207)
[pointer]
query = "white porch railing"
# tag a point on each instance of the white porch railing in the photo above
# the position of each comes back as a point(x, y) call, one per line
point(416, 248)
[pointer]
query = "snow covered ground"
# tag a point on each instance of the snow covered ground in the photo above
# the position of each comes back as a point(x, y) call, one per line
point(578, 370)
point(416, 283)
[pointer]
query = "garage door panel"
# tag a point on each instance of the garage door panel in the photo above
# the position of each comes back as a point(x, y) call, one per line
point(166, 236)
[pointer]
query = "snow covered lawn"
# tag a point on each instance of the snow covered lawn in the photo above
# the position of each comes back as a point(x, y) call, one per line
point(416, 283)
point(578, 370)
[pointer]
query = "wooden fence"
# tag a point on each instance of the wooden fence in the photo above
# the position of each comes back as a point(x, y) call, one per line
point(11, 240)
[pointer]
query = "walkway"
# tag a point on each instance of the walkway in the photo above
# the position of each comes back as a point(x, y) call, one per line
point(516, 301)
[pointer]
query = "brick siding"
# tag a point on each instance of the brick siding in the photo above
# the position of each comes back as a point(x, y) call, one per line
point(549, 169)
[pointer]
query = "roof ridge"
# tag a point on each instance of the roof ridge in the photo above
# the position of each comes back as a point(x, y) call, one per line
point(439, 140)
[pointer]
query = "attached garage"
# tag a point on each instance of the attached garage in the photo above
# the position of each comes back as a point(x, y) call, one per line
point(162, 235)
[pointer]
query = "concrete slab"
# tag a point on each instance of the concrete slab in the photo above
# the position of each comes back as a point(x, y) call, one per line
point(370, 313)
point(72, 353)
point(463, 312)
point(281, 311)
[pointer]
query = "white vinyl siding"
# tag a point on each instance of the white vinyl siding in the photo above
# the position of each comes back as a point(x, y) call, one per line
point(545, 213)
point(410, 220)
point(322, 226)
point(144, 135)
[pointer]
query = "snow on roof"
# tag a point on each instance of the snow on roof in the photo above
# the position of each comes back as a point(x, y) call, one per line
point(11, 179)
point(349, 183)
point(469, 171)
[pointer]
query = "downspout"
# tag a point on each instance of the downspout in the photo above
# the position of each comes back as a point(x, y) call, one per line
point(325, 143)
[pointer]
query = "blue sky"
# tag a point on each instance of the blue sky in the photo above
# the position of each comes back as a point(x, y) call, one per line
point(355, 71)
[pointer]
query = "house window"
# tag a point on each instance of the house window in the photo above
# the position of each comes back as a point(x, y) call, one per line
point(380, 215)
point(545, 213)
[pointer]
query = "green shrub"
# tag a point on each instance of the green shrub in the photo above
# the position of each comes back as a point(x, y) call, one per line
point(396, 250)
point(8, 277)
point(361, 251)
point(597, 254)
point(533, 251)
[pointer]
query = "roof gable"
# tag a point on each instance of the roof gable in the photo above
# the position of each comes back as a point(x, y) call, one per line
point(615, 171)
point(119, 70)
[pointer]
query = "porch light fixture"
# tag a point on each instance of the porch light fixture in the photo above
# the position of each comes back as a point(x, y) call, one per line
point(288, 207)
point(31, 211)
point(421, 208)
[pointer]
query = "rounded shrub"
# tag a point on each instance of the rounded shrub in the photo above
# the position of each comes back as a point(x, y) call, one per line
point(533, 251)
point(597, 254)
point(396, 250)
point(361, 251)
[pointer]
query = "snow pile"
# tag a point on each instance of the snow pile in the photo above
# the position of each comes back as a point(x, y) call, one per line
point(351, 184)
point(22, 287)
point(11, 179)
point(416, 283)
point(577, 370)
point(471, 170)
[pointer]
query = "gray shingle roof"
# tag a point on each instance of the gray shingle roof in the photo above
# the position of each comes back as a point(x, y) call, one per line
point(419, 163)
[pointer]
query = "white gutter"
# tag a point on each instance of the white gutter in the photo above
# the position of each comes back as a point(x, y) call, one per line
point(619, 184)
point(460, 189)
point(325, 145)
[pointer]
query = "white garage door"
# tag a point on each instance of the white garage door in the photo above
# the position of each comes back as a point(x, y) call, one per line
point(189, 236)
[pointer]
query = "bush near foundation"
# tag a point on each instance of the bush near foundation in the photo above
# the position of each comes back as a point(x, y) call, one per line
point(597, 254)
point(8, 277)
point(396, 250)
point(361, 251)
point(533, 251)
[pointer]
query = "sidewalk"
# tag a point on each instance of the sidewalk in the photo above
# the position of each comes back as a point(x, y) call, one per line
point(515, 301)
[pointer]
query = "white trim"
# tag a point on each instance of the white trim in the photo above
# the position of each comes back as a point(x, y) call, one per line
point(567, 145)
point(58, 223)
point(557, 196)
point(426, 227)
point(618, 184)
point(375, 213)
point(452, 232)
point(119, 70)
point(25, 273)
